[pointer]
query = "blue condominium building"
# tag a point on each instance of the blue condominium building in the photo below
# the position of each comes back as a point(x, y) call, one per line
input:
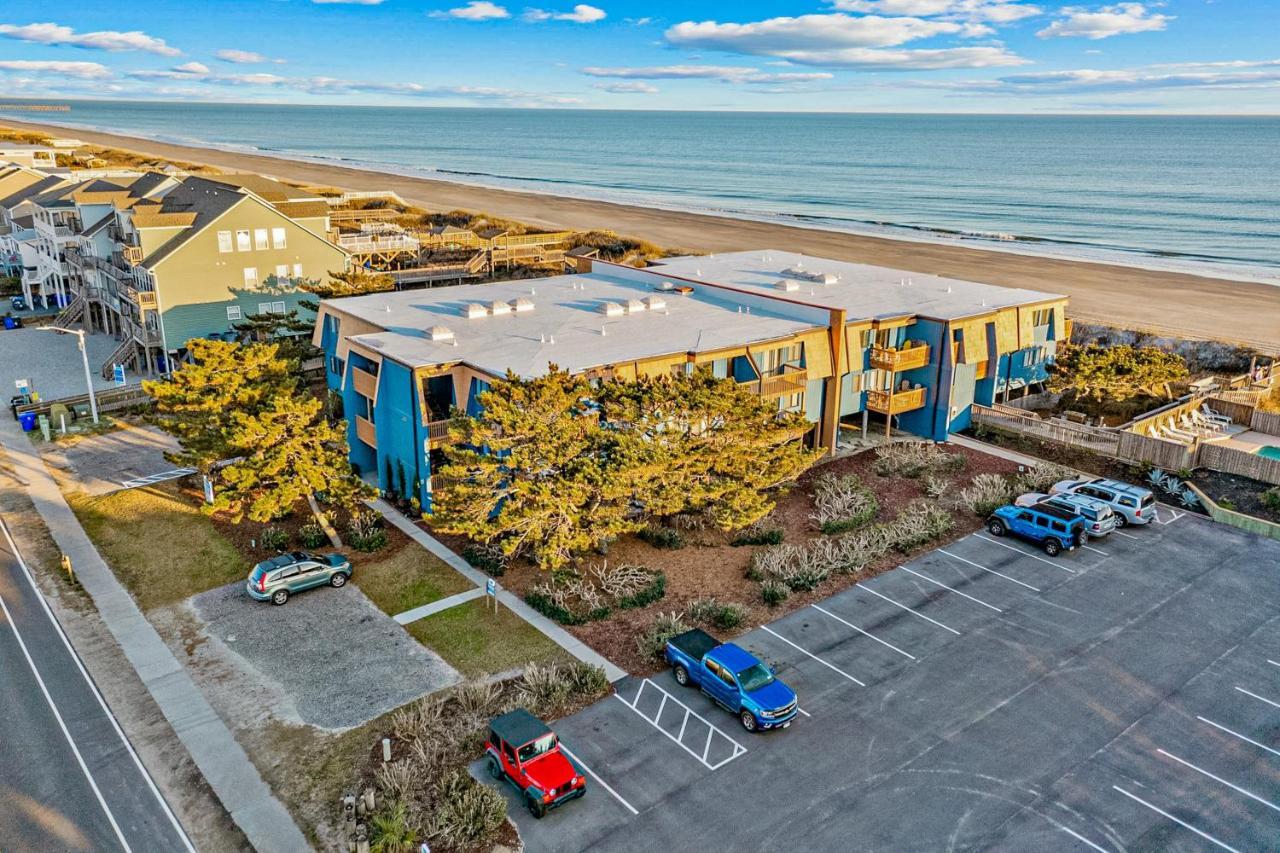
point(852, 347)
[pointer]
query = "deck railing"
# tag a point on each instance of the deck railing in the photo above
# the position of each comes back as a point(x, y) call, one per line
point(366, 432)
point(895, 402)
point(907, 358)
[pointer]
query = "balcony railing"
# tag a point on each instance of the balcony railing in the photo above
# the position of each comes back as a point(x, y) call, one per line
point(895, 402)
point(438, 431)
point(365, 432)
point(907, 358)
point(791, 380)
point(132, 254)
point(365, 383)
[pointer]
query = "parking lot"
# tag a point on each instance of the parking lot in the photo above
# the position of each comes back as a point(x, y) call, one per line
point(982, 696)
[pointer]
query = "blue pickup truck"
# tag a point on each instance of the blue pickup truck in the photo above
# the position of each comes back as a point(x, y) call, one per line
point(733, 678)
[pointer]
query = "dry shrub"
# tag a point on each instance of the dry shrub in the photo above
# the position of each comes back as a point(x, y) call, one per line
point(621, 580)
point(986, 493)
point(400, 780)
point(1039, 477)
point(664, 626)
point(913, 458)
point(467, 813)
point(841, 503)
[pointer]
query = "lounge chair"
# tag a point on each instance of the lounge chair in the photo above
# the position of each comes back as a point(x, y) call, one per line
point(1201, 421)
point(1214, 416)
point(1177, 435)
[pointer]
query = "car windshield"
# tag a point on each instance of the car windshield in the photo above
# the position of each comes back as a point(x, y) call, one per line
point(534, 748)
point(1148, 500)
point(754, 677)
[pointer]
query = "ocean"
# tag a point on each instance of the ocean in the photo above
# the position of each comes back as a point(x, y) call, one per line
point(1191, 193)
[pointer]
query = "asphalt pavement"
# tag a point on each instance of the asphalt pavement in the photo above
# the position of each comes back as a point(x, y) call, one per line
point(69, 779)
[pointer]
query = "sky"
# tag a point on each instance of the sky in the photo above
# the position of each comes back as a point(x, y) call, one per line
point(976, 56)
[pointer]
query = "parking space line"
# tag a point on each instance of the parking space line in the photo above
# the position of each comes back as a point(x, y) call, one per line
point(1223, 728)
point(1125, 535)
point(1259, 698)
point(906, 608)
point(1024, 553)
point(952, 589)
point(1272, 662)
point(738, 749)
point(812, 655)
point(861, 631)
point(1206, 836)
point(1174, 515)
point(985, 569)
point(1078, 837)
point(803, 711)
point(1095, 550)
point(1219, 779)
point(603, 784)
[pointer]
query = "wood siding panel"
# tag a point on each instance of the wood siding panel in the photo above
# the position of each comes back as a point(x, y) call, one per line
point(1026, 328)
point(817, 353)
point(1007, 331)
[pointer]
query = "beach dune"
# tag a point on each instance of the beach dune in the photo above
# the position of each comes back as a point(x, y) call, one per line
point(1175, 304)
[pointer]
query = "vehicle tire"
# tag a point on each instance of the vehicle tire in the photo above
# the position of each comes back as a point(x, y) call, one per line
point(338, 580)
point(748, 721)
point(1121, 521)
point(996, 527)
point(682, 676)
point(1052, 547)
point(280, 596)
point(536, 807)
point(495, 769)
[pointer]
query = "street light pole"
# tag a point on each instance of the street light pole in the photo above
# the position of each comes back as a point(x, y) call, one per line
point(84, 356)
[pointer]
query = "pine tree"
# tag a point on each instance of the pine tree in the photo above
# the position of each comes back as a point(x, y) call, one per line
point(284, 452)
point(1117, 372)
point(198, 401)
point(356, 281)
point(287, 330)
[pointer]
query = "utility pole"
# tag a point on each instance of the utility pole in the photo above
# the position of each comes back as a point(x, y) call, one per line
point(84, 356)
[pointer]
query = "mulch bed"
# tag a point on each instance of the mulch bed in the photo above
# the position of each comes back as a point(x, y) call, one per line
point(1243, 493)
point(709, 567)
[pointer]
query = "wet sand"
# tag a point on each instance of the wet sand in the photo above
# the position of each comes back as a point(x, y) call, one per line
point(1171, 303)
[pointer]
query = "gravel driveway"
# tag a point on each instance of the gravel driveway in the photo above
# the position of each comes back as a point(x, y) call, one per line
point(341, 660)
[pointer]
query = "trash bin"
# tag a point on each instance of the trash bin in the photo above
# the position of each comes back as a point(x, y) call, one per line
point(28, 421)
point(10, 323)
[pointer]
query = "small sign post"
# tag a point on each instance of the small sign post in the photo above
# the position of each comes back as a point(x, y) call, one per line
point(491, 591)
point(117, 373)
point(23, 385)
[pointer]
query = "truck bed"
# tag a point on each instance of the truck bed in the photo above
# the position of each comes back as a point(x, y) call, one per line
point(695, 643)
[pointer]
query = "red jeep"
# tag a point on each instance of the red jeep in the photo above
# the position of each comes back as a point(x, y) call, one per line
point(526, 753)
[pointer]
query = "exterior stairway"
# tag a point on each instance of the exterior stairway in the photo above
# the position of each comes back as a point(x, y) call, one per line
point(73, 313)
point(126, 354)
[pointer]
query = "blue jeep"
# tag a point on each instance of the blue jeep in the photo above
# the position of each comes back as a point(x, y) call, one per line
point(1052, 528)
point(733, 678)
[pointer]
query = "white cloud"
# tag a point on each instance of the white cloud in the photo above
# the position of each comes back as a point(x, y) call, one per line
point(774, 36)
point(192, 68)
point(186, 71)
point(633, 87)
point(79, 70)
point(727, 73)
point(245, 57)
point(113, 40)
point(475, 10)
point(581, 14)
point(1107, 21)
point(993, 11)
point(868, 59)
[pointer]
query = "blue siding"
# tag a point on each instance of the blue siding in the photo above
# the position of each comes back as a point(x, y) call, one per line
point(931, 420)
point(401, 450)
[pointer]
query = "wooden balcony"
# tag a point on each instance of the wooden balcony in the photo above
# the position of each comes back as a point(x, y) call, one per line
point(792, 380)
point(908, 358)
point(365, 432)
point(131, 254)
point(438, 432)
point(365, 383)
point(895, 402)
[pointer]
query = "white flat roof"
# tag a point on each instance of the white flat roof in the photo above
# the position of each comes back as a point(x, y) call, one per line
point(863, 291)
point(566, 326)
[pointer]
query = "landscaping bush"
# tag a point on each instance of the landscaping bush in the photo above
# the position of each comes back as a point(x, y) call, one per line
point(586, 681)
point(572, 599)
point(936, 486)
point(1271, 498)
point(759, 533)
point(725, 616)
point(913, 458)
point(312, 536)
point(842, 504)
point(390, 832)
point(919, 523)
point(468, 813)
point(400, 781)
point(365, 532)
point(986, 493)
point(664, 626)
point(545, 690)
point(543, 602)
point(273, 539)
point(656, 589)
point(662, 537)
point(1039, 477)
point(487, 558)
point(774, 592)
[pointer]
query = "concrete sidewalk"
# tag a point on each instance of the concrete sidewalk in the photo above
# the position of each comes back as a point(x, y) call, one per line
point(515, 604)
point(250, 802)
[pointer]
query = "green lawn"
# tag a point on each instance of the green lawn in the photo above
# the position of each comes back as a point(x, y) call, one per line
point(159, 546)
point(410, 578)
point(475, 641)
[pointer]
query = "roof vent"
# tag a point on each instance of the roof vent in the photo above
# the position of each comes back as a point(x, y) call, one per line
point(787, 285)
point(666, 285)
point(635, 306)
point(655, 303)
point(440, 333)
point(474, 310)
point(520, 304)
point(610, 309)
point(497, 308)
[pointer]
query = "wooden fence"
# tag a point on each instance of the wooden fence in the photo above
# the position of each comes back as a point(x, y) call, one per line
point(1169, 455)
point(1241, 413)
point(1268, 422)
point(1096, 439)
point(108, 401)
point(1228, 460)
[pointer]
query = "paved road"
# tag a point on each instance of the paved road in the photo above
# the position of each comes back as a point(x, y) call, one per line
point(69, 780)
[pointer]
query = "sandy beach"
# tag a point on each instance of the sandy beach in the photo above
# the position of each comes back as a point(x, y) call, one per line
point(1171, 303)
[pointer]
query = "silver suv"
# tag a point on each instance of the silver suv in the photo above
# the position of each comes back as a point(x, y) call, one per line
point(1131, 504)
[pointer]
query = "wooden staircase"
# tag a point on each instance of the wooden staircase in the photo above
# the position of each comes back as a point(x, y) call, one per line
point(126, 354)
point(73, 313)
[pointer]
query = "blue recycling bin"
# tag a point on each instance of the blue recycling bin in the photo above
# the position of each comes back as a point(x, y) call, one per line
point(28, 421)
point(10, 323)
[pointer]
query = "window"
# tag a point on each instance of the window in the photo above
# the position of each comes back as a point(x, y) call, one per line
point(242, 241)
point(250, 276)
point(224, 241)
point(282, 271)
point(864, 338)
point(509, 753)
point(270, 307)
point(297, 270)
point(233, 312)
point(1024, 516)
point(727, 678)
point(1060, 527)
point(541, 746)
point(713, 668)
point(290, 572)
point(1041, 521)
point(260, 239)
point(336, 366)
point(277, 238)
point(1042, 316)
